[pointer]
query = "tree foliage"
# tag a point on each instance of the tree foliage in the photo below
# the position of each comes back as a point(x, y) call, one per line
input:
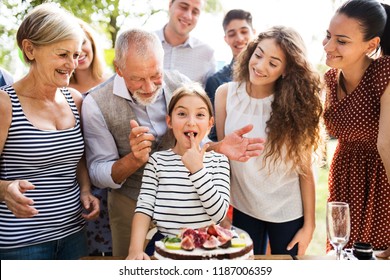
point(105, 16)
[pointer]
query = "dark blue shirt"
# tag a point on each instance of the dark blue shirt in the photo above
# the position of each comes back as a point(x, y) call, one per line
point(213, 82)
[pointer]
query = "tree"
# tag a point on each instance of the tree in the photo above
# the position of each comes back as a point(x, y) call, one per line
point(105, 16)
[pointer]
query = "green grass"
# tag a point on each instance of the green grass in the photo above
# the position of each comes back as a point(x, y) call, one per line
point(317, 245)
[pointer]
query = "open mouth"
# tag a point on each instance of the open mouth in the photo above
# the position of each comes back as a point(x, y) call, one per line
point(259, 74)
point(329, 56)
point(82, 58)
point(188, 134)
point(62, 71)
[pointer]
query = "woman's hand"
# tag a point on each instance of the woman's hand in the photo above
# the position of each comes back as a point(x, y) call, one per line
point(237, 147)
point(20, 205)
point(91, 204)
point(303, 237)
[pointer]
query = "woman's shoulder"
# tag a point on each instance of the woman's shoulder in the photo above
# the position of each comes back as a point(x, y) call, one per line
point(330, 75)
point(384, 59)
point(382, 63)
point(76, 96)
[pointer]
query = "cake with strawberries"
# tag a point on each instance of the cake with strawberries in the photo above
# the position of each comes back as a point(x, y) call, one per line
point(213, 242)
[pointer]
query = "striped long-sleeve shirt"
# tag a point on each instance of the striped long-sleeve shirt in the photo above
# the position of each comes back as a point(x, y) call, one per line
point(174, 198)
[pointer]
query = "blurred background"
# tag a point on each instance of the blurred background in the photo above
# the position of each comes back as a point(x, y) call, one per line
point(109, 17)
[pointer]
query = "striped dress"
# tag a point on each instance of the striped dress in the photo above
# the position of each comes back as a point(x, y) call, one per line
point(174, 198)
point(48, 159)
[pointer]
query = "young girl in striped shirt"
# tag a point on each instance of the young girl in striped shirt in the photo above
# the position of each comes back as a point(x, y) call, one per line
point(183, 187)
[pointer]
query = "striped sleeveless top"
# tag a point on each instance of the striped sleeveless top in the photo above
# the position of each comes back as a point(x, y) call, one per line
point(48, 159)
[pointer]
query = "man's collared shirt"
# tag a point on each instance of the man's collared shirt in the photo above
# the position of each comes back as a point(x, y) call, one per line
point(101, 139)
point(149, 116)
point(194, 58)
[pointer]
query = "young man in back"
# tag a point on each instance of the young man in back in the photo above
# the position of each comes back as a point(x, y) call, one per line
point(183, 52)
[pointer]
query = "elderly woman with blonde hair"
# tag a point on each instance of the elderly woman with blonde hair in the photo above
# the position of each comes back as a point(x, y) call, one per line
point(44, 183)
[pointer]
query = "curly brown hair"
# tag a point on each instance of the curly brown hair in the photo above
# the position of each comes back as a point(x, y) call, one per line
point(294, 125)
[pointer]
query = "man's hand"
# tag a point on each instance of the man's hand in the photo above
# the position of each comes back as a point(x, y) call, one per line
point(237, 147)
point(140, 142)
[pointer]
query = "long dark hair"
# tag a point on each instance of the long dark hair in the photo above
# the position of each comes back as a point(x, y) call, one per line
point(373, 18)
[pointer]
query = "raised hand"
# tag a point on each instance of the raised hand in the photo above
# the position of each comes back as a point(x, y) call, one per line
point(237, 147)
point(193, 157)
point(140, 142)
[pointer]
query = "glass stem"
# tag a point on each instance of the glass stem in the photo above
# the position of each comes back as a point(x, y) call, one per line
point(338, 252)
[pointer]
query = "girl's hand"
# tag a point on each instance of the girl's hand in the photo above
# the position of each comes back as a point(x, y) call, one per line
point(193, 157)
point(137, 256)
point(226, 223)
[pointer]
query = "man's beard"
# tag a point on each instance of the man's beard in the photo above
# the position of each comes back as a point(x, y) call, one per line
point(140, 98)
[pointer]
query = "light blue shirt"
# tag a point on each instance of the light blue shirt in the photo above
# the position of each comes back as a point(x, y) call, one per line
point(150, 116)
point(5, 78)
point(194, 58)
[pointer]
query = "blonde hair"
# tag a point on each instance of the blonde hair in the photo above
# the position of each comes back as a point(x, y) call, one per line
point(98, 64)
point(47, 24)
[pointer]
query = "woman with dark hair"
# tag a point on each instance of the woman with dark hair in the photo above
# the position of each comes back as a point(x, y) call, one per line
point(276, 90)
point(357, 113)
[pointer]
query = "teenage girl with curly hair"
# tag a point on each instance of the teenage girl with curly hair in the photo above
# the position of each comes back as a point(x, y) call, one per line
point(276, 90)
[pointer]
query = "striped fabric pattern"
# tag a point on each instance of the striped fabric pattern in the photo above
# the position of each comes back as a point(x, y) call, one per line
point(176, 199)
point(48, 159)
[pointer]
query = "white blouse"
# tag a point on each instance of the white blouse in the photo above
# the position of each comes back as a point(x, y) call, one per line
point(272, 196)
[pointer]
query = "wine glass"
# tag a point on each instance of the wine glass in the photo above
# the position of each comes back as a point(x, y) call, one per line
point(338, 225)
